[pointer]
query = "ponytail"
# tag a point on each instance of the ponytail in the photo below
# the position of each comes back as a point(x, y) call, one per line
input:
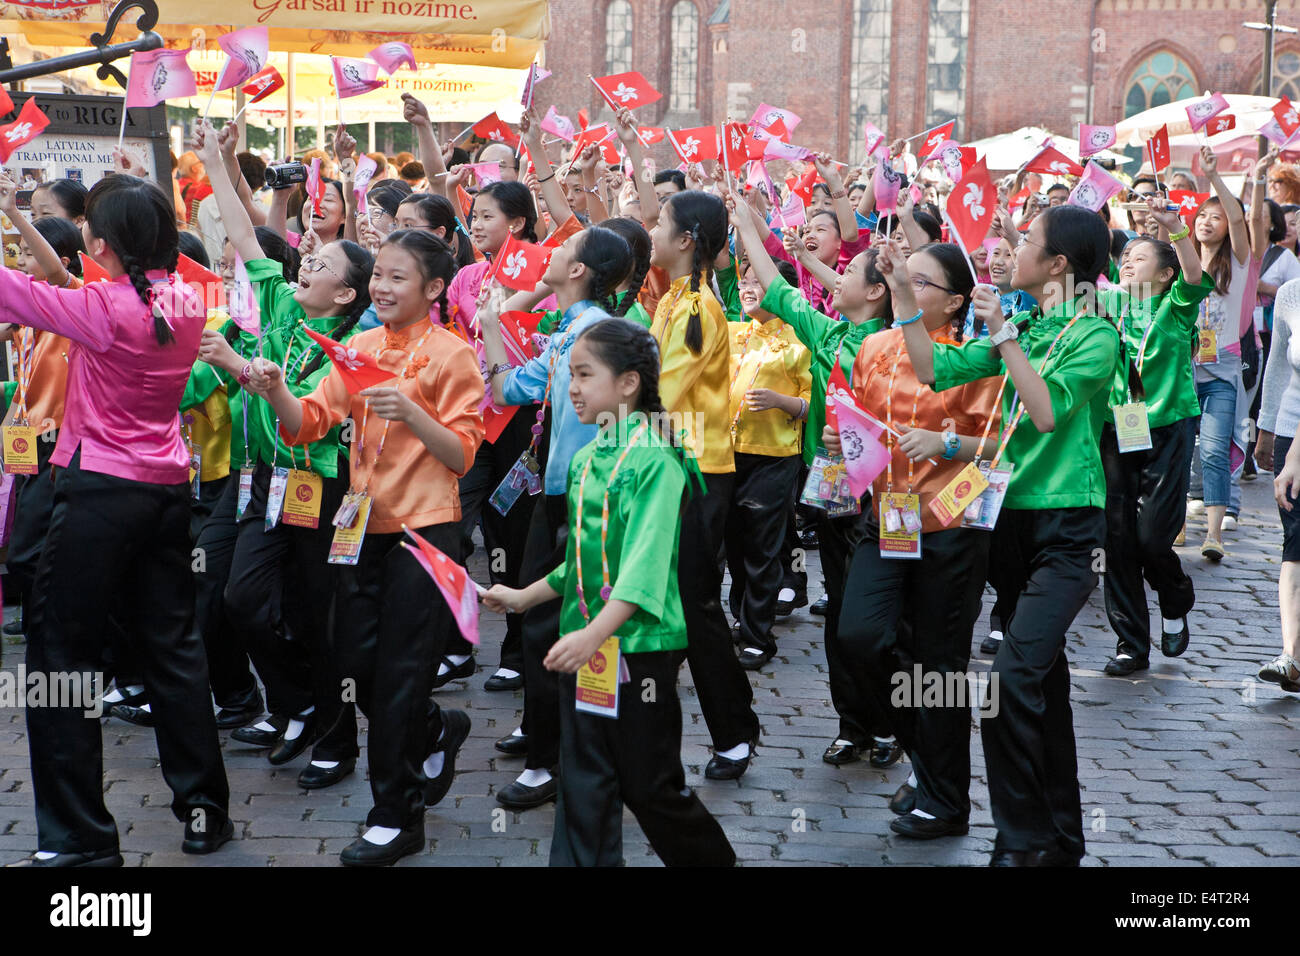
point(703, 217)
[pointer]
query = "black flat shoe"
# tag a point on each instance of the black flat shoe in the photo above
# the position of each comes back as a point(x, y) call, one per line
point(1012, 858)
point(243, 713)
point(497, 683)
point(1173, 645)
point(94, 859)
point(786, 608)
point(820, 605)
point(318, 778)
point(990, 645)
point(197, 842)
point(518, 797)
point(919, 828)
point(132, 714)
point(724, 768)
point(455, 724)
point(841, 752)
point(513, 745)
point(362, 852)
point(457, 672)
point(808, 539)
point(904, 799)
point(885, 754)
point(284, 750)
point(751, 661)
point(1123, 666)
point(256, 737)
point(15, 629)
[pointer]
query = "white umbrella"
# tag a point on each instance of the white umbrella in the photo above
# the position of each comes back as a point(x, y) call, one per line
point(1008, 151)
point(1251, 112)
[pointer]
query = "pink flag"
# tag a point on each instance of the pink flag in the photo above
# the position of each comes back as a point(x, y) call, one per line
point(248, 49)
point(792, 213)
point(1095, 188)
point(558, 125)
point(485, 173)
point(776, 149)
point(366, 169)
point(159, 75)
point(759, 178)
point(354, 77)
point(393, 56)
point(454, 583)
point(314, 191)
point(887, 181)
point(864, 456)
point(875, 137)
point(243, 303)
point(766, 115)
point(1093, 139)
point(535, 75)
point(1202, 111)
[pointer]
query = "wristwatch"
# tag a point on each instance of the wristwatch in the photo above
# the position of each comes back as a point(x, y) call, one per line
point(499, 368)
point(1008, 332)
point(951, 445)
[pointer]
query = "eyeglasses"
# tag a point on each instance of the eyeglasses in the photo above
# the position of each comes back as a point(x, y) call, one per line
point(316, 264)
point(920, 282)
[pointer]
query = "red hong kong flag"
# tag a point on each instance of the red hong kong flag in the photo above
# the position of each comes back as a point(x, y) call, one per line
point(206, 282)
point(453, 582)
point(23, 130)
point(1189, 203)
point(803, 186)
point(1220, 124)
point(649, 135)
point(569, 227)
point(1287, 116)
point(358, 369)
point(6, 104)
point(626, 89)
point(493, 129)
point(92, 271)
point(735, 151)
point(519, 334)
point(934, 137)
point(1054, 162)
point(1158, 148)
point(263, 84)
point(695, 144)
point(971, 206)
point(519, 265)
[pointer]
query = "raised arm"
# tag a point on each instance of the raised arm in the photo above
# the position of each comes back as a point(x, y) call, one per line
point(1238, 232)
point(530, 128)
point(839, 195)
point(1259, 217)
point(51, 264)
point(742, 218)
point(798, 251)
point(591, 157)
point(239, 228)
point(916, 236)
point(1188, 261)
point(345, 150)
point(920, 347)
point(625, 125)
point(228, 140)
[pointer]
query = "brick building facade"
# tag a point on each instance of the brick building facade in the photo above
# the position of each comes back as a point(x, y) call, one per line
point(910, 64)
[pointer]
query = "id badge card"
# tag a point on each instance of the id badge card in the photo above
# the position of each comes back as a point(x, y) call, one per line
point(828, 488)
point(196, 473)
point(959, 493)
point(1207, 346)
point(521, 476)
point(275, 496)
point(302, 499)
point(982, 513)
point(1132, 432)
point(245, 492)
point(346, 546)
point(20, 450)
point(900, 525)
point(598, 680)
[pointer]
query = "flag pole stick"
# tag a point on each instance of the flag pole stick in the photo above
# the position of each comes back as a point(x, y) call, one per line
point(211, 96)
point(121, 133)
point(956, 236)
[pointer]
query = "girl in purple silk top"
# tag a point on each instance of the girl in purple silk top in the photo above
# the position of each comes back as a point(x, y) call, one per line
point(118, 543)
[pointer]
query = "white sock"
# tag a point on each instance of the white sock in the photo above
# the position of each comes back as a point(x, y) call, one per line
point(885, 740)
point(294, 730)
point(325, 764)
point(1123, 657)
point(1173, 627)
point(517, 732)
point(263, 725)
point(381, 836)
point(133, 689)
point(755, 651)
point(505, 673)
point(44, 855)
point(911, 780)
point(738, 752)
point(923, 815)
point(785, 594)
point(433, 764)
point(841, 742)
point(995, 635)
point(458, 659)
point(533, 778)
point(146, 708)
point(114, 696)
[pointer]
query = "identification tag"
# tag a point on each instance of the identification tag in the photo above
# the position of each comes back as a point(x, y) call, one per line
point(1132, 431)
point(982, 513)
point(960, 492)
point(598, 680)
point(350, 528)
point(20, 450)
point(275, 496)
point(900, 525)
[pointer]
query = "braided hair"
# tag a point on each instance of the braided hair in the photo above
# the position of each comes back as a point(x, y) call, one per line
point(608, 261)
point(703, 217)
point(356, 278)
point(433, 257)
point(957, 277)
point(624, 346)
point(638, 242)
point(135, 220)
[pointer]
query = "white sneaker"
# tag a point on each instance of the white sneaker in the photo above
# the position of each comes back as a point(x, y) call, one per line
point(1195, 506)
point(1229, 523)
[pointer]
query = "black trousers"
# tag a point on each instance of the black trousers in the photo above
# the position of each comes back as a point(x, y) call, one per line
point(1146, 504)
point(213, 529)
point(1029, 744)
point(794, 574)
point(279, 595)
point(726, 697)
point(861, 716)
point(503, 535)
point(33, 504)
point(634, 759)
point(761, 507)
point(548, 536)
point(900, 613)
point(392, 625)
point(117, 546)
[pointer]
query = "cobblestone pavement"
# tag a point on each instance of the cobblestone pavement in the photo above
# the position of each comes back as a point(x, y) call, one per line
point(1193, 763)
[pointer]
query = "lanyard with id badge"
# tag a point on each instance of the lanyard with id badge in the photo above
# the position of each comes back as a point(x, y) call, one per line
point(354, 513)
point(1132, 429)
point(599, 678)
point(295, 493)
point(900, 514)
point(20, 438)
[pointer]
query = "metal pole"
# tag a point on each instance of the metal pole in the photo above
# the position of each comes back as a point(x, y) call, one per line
point(1271, 18)
point(291, 149)
point(242, 124)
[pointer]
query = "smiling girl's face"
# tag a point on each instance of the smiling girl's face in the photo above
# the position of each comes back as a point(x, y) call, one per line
point(398, 289)
point(489, 226)
point(321, 290)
